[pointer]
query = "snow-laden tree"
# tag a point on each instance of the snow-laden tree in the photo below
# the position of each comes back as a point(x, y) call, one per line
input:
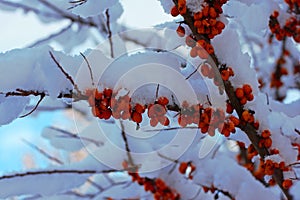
point(194, 108)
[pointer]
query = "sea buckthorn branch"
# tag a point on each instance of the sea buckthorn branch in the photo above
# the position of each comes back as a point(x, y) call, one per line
point(248, 128)
point(290, 29)
point(156, 186)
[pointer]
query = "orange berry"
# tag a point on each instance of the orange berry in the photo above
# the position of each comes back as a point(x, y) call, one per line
point(91, 100)
point(197, 16)
point(190, 42)
point(256, 125)
point(246, 115)
point(220, 25)
point(268, 142)
point(225, 75)
point(136, 117)
point(205, 11)
point(202, 54)
point(180, 31)
point(153, 122)
point(239, 93)
point(249, 97)
point(107, 93)
point(205, 70)
point(211, 73)
point(98, 95)
point(163, 101)
point(243, 101)
point(209, 48)
point(229, 108)
point(139, 108)
point(247, 89)
point(272, 182)
point(194, 52)
point(201, 43)
point(266, 134)
point(286, 184)
point(182, 6)
point(183, 167)
point(174, 11)
point(197, 23)
point(235, 120)
point(231, 72)
point(212, 13)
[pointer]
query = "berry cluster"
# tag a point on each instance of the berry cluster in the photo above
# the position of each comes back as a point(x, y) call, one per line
point(157, 112)
point(200, 48)
point(298, 148)
point(100, 102)
point(206, 20)
point(244, 94)
point(269, 167)
point(294, 5)
point(263, 168)
point(156, 186)
point(248, 117)
point(290, 29)
point(209, 72)
point(105, 104)
point(276, 76)
point(226, 73)
point(183, 167)
point(265, 141)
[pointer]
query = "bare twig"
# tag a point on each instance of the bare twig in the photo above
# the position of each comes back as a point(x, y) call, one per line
point(130, 160)
point(44, 153)
point(71, 135)
point(42, 96)
point(28, 8)
point(64, 72)
point(89, 67)
point(50, 37)
point(156, 92)
point(109, 33)
point(70, 16)
point(189, 76)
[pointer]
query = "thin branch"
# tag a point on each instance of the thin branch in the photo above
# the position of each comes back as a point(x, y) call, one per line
point(24, 93)
point(28, 8)
point(50, 37)
point(130, 160)
point(109, 33)
point(71, 135)
point(89, 67)
point(42, 96)
point(189, 76)
point(70, 16)
point(44, 153)
point(156, 92)
point(64, 72)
